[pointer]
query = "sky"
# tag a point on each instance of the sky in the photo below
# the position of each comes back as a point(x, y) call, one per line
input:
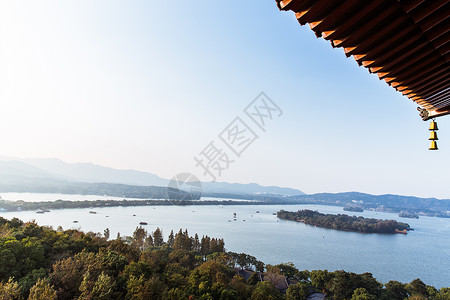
point(148, 85)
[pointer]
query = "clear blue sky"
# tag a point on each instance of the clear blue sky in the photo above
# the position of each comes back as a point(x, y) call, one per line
point(147, 85)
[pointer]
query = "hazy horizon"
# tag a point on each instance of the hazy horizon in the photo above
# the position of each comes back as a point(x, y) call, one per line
point(5, 158)
point(148, 85)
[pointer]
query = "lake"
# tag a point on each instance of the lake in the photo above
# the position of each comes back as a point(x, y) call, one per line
point(423, 253)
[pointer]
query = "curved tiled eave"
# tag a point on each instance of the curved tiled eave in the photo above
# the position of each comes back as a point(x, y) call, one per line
point(405, 42)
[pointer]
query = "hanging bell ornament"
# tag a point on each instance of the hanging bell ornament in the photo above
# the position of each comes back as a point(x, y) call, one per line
point(433, 136)
point(433, 126)
point(433, 146)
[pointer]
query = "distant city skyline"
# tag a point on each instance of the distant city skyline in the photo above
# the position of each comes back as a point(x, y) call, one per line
point(148, 85)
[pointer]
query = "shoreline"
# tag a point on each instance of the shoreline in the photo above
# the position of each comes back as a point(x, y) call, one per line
point(21, 205)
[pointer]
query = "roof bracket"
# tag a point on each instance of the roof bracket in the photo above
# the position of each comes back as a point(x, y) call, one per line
point(426, 114)
point(423, 113)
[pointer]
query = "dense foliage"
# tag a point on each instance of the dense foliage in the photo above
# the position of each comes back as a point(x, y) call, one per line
point(41, 263)
point(343, 222)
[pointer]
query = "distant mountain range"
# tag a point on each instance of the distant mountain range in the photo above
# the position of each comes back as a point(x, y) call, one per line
point(19, 173)
point(50, 175)
point(387, 203)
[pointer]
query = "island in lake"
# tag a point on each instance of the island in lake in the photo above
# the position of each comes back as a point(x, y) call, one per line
point(403, 214)
point(354, 208)
point(345, 222)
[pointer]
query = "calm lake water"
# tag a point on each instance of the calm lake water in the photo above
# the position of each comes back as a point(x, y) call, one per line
point(423, 253)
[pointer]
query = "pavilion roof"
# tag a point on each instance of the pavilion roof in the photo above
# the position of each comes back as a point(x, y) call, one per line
point(405, 42)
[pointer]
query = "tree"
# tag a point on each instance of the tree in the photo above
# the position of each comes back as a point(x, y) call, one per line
point(157, 237)
point(253, 279)
point(265, 290)
point(171, 239)
point(106, 233)
point(209, 278)
point(228, 294)
point(298, 291)
point(196, 244)
point(362, 294)
point(417, 288)
point(42, 290)
point(178, 241)
point(139, 288)
point(8, 266)
point(148, 243)
point(28, 281)
point(289, 270)
point(68, 274)
point(274, 275)
point(343, 284)
point(395, 290)
point(432, 292)
point(19, 257)
point(175, 294)
point(103, 287)
point(319, 278)
point(9, 290)
point(205, 245)
point(213, 245)
point(444, 294)
point(15, 223)
point(139, 236)
point(259, 266)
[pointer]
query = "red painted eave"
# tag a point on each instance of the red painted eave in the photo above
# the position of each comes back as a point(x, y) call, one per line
point(405, 42)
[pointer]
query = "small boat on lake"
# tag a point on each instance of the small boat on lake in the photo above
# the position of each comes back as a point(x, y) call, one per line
point(40, 211)
point(92, 212)
point(143, 223)
point(75, 221)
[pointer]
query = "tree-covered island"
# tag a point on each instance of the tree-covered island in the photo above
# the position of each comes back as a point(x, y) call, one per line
point(345, 222)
